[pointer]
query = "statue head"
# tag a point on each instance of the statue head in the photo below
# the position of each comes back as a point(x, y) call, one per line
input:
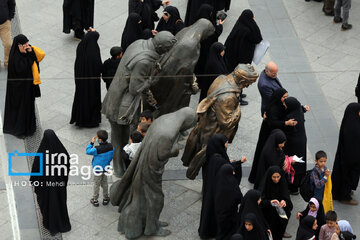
point(245, 75)
point(206, 26)
point(163, 42)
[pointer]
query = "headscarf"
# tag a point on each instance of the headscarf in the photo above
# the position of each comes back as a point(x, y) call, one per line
point(275, 100)
point(170, 25)
point(17, 67)
point(216, 144)
point(294, 111)
point(305, 230)
point(147, 34)
point(132, 30)
point(255, 233)
point(345, 226)
point(206, 11)
point(215, 63)
point(317, 205)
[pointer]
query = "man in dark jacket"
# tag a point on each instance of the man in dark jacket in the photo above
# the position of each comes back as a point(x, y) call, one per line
point(7, 12)
point(267, 84)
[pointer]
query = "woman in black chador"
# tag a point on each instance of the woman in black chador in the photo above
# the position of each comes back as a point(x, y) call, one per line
point(51, 189)
point(346, 170)
point(227, 199)
point(170, 21)
point(88, 67)
point(216, 156)
point(21, 90)
point(215, 66)
point(271, 155)
point(307, 228)
point(251, 204)
point(241, 42)
point(133, 30)
point(250, 229)
point(78, 15)
point(296, 140)
point(274, 190)
point(275, 118)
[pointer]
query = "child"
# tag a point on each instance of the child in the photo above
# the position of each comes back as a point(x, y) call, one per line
point(316, 210)
point(143, 127)
point(346, 5)
point(146, 116)
point(250, 228)
point(103, 154)
point(344, 231)
point(131, 148)
point(110, 65)
point(319, 175)
point(307, 228)
point(328, 229)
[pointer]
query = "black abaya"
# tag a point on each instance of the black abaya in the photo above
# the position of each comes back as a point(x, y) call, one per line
point(255, 233)
point(305, 231)
point(78, 15)
point(242, 40)
point(249, 204)
point(271, 155)
point(275, 118)
point(215, 66)
point(275, 191)
point(216, 157)
point(296, 139)
point(174, 23)
point(19, 116)
point(51, 190)
point(320, 216)
point(88, 67)
point(132, 31)
point(227, 198)
point(146, 10)
point(346, 170)
point(357, 90)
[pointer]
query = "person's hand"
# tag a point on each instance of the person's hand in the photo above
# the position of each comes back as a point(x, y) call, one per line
point(166, 2)
point(221, 21)
point(293, 162)
point(282, 203)
point(154, 32)
point(327, 172)
point(265, 116)
point(276, 202)
point(307, 108)
point(291, 122)
point(285, 166)
point(232, 160)
point(141, 0)
point(93, 139)
point(243, 159)
point(298, 215)
point(91, 29)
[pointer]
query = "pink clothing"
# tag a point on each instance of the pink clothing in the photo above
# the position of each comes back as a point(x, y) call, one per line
point(316, 203)
point(326, 232)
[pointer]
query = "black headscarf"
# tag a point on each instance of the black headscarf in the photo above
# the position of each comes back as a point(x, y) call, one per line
point(275, 100)
point(242, 40)
point(345, 175)
point(255, 233)
point(52, 199)
point(19, 116)
point(147, 34)
point(294, 111)
point(227, 198)
point(249, 204)
point(132, 31)
point(216, 157)
point(305, 231)
point(206, 11)
point(88, 68)
point(271, 155)
point(174, 24)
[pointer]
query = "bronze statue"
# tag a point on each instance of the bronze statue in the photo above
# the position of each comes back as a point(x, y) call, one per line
point(139, 193)
point(130, 85)
point(219, 112)
point(174, 92)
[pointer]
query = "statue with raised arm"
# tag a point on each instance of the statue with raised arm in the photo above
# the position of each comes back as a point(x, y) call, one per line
point(219, 112)
point(130, 86)
point(139, 193)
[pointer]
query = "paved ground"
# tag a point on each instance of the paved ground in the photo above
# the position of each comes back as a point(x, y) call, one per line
point(318, 63)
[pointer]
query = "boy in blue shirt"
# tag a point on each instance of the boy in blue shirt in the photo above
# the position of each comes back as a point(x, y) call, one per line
point(319, 175)
point(103, 154)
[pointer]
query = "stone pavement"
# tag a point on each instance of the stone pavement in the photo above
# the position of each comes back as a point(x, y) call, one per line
point(318, 64)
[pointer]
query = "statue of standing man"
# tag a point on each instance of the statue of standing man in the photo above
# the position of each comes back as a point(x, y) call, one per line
point(129, 87)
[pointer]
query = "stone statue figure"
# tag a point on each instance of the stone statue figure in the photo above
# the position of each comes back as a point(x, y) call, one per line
point(130, 85)
point(139, 193)
point(219, 112)
point(175, 83)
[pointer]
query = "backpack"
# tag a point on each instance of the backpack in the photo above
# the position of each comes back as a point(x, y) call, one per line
point(306, 186)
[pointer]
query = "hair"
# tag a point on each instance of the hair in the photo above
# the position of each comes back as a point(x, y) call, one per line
point(136, 137)
point(102, 134)
point(267, 68)
point(144, 126)
point(331, 216)
point(320, 154)
point(147, 114)
point(115, 51)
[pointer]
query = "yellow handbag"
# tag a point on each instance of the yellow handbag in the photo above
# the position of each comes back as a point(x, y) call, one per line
point(40, 54)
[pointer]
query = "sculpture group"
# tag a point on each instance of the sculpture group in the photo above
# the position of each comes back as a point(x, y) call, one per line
point(158, 74)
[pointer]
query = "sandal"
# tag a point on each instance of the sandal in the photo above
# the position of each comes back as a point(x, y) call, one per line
point(106, 201)
point(94, 202)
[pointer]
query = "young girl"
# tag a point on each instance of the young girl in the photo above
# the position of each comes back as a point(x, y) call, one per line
point(315, 209)
point(307, 228)
point(250, 229)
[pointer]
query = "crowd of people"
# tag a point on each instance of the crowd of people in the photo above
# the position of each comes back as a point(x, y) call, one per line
point(279, 164)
